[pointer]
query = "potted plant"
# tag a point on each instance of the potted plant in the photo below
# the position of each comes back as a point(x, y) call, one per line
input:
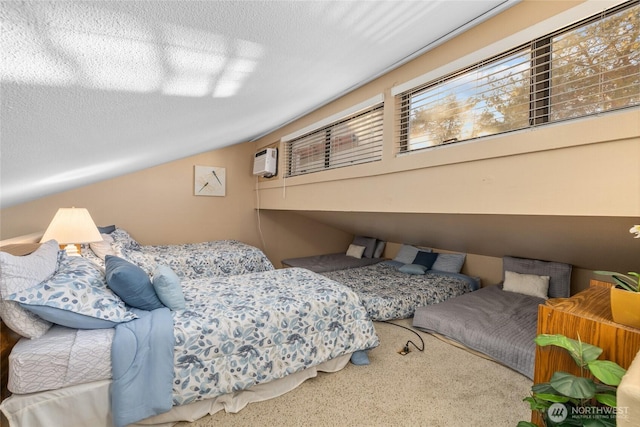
point(570, 400)
point(625, 307)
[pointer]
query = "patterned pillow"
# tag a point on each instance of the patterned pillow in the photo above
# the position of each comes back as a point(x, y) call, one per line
point(24, 272)
point(123, 240)
point(124, 246)
point(77, 296)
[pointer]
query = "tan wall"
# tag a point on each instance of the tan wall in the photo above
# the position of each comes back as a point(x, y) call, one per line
point(157, 205)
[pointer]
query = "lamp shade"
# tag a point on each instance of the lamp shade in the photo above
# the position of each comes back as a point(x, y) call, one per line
point(72, 226)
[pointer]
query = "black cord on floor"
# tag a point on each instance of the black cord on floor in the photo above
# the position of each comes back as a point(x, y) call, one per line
point(406, 347)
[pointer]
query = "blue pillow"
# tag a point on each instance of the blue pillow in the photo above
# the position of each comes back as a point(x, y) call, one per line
point(167, 285)
point(425, 258)
point(450, 263)
point(413, 269)
point(360, 357)
point(107, 229)
point(131, 283)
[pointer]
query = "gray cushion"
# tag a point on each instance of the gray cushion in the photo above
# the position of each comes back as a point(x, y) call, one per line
point(559, 273)
point(407, 254)
point(380, 244)
point(450, 263)
point(369, 244)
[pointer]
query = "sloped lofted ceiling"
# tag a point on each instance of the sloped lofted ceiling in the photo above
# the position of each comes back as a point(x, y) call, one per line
point(92, 90)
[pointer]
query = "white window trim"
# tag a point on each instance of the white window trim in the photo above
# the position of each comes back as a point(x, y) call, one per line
point(335, 117)
point(590, 7)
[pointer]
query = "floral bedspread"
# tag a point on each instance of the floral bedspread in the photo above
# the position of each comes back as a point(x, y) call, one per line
point(239, 331)
point(193, 260)
point(391, 294)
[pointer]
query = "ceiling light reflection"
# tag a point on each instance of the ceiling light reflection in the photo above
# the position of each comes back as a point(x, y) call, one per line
point(61, 44)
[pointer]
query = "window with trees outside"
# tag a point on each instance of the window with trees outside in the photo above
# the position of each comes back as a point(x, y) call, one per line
point(588, 68)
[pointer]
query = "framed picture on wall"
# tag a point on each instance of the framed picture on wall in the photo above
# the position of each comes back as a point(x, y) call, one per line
point(209, 181)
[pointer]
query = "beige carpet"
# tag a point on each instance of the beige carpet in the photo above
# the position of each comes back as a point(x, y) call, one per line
point(442, 386)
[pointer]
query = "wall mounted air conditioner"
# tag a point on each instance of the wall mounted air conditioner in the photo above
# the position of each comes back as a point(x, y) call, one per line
point(265, 162)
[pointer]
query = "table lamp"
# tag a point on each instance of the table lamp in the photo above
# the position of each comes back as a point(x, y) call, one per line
point(71, 227)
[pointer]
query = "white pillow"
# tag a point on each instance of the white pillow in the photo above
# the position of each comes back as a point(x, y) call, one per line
point(527, 284)
point(355, 251)
point(24, 272)
point(103, 247)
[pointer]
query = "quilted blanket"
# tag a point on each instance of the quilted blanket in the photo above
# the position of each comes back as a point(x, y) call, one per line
point(388, 293)
point(193, 260)
point(243, 330)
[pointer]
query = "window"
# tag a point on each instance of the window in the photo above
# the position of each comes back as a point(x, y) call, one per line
point(354, 139)
point(588, 68)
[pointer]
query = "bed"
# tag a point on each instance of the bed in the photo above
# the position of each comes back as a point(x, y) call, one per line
point(329, 262)
point(361, 252)
point(238, 339)
point(393, 289)
point(500, 321)
point(190, 260)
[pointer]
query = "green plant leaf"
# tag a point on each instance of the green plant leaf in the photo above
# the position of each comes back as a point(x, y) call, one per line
point(582, 353)
point(572, 386)
point(622, 280)
point(536, 404)
point(526, 424)
point(607, 399)
point(553, 398)
point(543, 388)
point(607, 371)
point(603, 388)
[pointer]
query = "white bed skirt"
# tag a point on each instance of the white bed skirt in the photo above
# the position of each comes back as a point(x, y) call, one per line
point(88, 404)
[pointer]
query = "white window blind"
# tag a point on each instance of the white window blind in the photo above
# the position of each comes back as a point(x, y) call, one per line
point(588, 68)
point(353, 139)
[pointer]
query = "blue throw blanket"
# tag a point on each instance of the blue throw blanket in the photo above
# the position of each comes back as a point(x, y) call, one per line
point(142, 367)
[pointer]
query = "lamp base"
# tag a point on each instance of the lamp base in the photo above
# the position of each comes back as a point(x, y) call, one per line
point(72, 249)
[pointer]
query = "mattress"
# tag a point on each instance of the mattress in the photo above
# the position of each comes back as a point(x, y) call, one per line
point(497, 323)
point(60, 358)
point(329, 262)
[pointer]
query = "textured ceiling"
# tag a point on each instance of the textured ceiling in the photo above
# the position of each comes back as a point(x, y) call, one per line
point(93, 90)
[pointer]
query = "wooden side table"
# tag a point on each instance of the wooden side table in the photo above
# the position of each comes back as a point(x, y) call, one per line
point(585, 316)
